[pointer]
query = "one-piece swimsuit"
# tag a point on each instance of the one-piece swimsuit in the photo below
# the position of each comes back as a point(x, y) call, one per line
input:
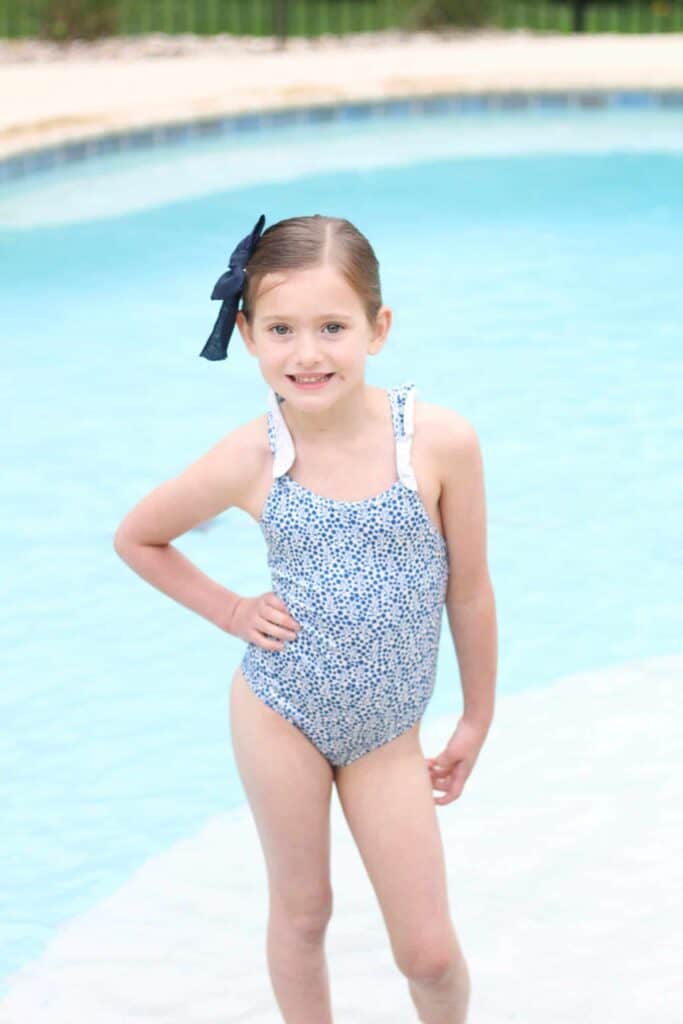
point(366, 580)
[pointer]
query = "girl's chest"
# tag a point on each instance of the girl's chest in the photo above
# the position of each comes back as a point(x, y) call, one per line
point(359, 476)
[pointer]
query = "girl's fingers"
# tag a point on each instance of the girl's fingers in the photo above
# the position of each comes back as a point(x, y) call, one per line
point(279, 608)
point(276, 630)
point(269, 641)
point(285, 621)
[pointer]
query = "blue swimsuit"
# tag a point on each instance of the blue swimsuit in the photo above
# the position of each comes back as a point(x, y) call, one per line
point(367, 582)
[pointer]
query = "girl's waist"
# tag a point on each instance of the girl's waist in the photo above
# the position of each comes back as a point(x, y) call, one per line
point(331, 639)
point(355, 598)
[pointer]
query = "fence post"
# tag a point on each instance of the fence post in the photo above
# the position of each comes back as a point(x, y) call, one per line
point(280, 22)
point(579, 11)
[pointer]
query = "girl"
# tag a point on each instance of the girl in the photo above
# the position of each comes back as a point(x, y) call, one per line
point(372, 506)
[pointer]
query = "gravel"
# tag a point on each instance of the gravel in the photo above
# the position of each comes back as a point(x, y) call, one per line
point(157, 44)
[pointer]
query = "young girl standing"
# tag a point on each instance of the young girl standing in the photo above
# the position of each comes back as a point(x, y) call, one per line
point(373, 510)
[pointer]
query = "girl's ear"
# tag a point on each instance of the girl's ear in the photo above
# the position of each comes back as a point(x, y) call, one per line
point(381, 329)
point(245, 331)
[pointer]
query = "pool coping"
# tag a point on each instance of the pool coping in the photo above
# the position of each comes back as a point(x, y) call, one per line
point(99, 142)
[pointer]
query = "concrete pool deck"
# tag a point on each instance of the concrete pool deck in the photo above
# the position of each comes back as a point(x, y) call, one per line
point(52, 95)
point(562, 872)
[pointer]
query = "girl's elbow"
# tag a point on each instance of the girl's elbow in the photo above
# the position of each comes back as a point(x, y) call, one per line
point(122, 540)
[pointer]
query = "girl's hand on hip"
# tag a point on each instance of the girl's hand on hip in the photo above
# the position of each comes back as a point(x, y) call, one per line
point(451, 768)
point(264, 621)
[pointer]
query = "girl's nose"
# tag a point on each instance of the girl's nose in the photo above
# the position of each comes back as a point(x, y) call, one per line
point(307, 350)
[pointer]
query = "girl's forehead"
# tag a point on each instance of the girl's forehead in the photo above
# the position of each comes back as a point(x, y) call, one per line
point(296, 277)
point(310, 287)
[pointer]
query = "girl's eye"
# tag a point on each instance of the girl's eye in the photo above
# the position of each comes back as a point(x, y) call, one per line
point(280, 334)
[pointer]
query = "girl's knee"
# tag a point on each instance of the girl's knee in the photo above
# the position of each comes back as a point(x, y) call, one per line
point(307, 926)
point(431, 961)
point(304, 922)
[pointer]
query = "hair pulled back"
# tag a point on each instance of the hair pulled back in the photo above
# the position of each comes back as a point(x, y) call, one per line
point(298, 243)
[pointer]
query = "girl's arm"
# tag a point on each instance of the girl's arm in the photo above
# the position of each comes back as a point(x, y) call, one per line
point(470, 601)
point(217, 481)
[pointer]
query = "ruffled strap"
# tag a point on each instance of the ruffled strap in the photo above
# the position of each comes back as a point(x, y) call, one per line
point(279, 437)
point(405, 403)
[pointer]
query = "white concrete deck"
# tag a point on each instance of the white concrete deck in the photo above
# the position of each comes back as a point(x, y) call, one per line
point(97, 89)
point(564, 876)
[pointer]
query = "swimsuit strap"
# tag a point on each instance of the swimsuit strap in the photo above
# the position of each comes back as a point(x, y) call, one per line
point(279, 437)
point(403, 417)
point(402, 402)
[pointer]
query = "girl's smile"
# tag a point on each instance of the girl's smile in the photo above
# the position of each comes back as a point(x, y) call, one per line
point(310, 382)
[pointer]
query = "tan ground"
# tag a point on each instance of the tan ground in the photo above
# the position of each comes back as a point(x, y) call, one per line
point(93, 90)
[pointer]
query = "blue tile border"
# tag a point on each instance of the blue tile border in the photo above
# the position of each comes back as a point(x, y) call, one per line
point(48, 158)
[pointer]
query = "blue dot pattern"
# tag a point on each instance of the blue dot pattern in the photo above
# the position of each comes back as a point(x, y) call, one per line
point(367, 582)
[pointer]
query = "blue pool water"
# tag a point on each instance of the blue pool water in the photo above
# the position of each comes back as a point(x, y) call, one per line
point(532, 261)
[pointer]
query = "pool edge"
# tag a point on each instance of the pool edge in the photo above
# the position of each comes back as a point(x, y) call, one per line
point(103, 140)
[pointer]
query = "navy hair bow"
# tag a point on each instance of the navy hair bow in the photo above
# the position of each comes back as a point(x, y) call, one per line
point(229, 288)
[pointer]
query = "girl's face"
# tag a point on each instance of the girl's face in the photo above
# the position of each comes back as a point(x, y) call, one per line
point(308, 322)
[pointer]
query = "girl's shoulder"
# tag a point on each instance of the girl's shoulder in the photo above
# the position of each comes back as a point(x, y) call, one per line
point(444, 429)
point(449, 443)
point(231, 469)
point(246, 444)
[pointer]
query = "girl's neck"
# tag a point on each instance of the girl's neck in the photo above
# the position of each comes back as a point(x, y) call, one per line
point(347, 422)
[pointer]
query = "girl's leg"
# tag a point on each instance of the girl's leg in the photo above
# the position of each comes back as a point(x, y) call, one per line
point(387, 800)
point(288, 784)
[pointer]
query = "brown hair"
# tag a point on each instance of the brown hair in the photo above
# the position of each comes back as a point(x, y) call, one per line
point(298, 243)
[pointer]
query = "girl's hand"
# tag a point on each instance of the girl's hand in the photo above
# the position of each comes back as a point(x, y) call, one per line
point(264, 621)
point(450, 770)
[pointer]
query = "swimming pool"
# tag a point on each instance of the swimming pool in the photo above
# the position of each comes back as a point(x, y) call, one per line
point(544, 304)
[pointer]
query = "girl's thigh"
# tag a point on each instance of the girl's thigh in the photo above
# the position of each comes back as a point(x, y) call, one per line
point(387, 800)
point(288, 784)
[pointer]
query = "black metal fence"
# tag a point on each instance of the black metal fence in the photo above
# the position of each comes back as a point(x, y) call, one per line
point(62, 19)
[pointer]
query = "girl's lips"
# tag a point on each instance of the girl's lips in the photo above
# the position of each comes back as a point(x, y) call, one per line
point(310, 386)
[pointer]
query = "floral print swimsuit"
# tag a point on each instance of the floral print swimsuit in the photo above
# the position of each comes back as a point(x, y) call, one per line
point(367, 582)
